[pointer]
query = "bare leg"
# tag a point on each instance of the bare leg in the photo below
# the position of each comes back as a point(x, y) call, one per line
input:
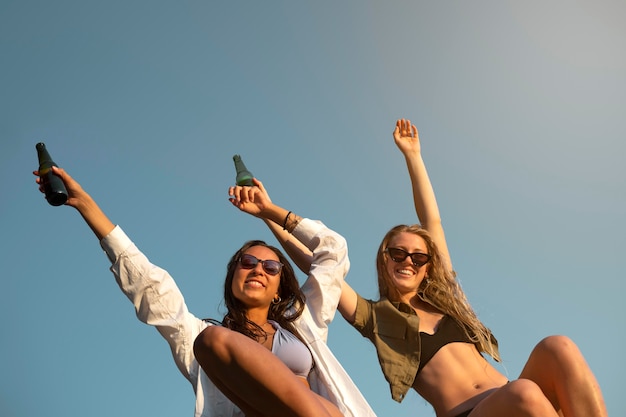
point(560, 370)
point(520, 398)
point(254, 379)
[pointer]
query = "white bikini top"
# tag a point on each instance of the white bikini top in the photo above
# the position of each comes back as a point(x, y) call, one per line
point(291, 351)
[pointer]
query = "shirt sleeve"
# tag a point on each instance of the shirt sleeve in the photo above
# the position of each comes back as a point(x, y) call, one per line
point(363, 317)
point(157, 299)
point(329, 267)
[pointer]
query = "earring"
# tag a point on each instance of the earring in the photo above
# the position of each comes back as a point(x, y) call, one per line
point(276, 300)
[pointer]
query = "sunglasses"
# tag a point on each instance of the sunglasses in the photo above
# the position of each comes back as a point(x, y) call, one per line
point(399, 255)
point(270, 266)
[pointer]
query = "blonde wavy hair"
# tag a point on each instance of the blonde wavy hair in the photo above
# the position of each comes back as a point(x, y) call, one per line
point(440, 288)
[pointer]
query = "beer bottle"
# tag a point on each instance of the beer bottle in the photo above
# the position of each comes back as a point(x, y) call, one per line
point(53, 186)
point(244, 177)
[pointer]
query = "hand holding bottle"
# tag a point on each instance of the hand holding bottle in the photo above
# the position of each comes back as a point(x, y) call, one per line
point(81, 201)
point(253, 200)
point(74, 191)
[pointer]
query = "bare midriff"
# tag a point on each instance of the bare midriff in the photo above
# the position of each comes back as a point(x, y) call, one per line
point(456, 379)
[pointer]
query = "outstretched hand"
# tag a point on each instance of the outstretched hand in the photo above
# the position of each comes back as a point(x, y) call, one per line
point(250, 199)
point(74, 190)
point(406, 137)
point(78, 198)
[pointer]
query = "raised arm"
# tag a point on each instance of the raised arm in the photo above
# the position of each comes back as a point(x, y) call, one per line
point(318, 251)
point(153, 292)
point(297, 251)
point(407, 139)
point(81, 201)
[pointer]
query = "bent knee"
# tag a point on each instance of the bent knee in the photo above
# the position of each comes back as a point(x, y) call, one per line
point(558, 346)
point(524, 394)
point(209, 342)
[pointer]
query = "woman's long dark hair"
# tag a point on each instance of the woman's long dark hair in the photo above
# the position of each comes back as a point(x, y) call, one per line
point(284, 312)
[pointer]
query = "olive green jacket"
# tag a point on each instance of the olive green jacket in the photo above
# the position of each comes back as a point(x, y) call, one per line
point(393, 328)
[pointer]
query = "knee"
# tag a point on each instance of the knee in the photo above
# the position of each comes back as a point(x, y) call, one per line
point(558, 347)
point(210, 344)
point(526, 397)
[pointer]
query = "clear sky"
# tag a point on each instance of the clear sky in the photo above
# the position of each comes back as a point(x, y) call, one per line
point(521, 111)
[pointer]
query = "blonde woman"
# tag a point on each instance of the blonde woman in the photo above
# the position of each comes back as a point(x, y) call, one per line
point(428, 338)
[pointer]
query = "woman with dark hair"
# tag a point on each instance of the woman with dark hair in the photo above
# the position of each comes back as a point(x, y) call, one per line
point(268, 356)
point(286, 306)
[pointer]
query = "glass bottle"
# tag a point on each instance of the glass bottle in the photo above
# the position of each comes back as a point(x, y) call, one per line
point(53, 186)
point(244, 177)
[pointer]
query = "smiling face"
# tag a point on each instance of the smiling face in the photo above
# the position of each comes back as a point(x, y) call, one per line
point(250, 292)
point(255, 287)
point(404, 276)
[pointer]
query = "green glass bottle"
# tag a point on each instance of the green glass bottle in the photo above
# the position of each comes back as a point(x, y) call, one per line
point(53, 186)
point(244, 177)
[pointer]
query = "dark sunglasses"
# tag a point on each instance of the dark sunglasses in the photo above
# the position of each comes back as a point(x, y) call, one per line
point(270, 266)
point(399, 255)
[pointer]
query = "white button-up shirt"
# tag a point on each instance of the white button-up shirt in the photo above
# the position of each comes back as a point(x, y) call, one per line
point(158, 302)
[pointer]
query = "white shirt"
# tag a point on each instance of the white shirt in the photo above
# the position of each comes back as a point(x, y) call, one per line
point(158, 302)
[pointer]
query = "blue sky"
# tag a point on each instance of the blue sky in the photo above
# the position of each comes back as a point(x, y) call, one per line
point(520, 107)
